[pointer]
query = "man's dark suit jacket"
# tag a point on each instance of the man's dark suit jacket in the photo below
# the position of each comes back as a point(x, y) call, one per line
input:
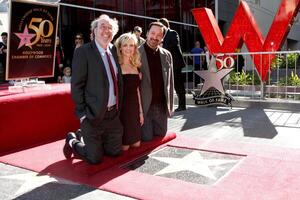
point(167, 74)
point(89, 84)
point(3, 55)
point(171, 42)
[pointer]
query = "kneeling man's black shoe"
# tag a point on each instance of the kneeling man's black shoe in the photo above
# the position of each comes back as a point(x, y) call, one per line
point(180, 109)
point(79, 135)
point(67, 150)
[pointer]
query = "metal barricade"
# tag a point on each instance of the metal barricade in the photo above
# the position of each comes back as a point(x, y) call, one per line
point(282, 82)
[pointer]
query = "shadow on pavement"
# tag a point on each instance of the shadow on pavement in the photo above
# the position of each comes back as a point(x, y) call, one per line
point(254, 122)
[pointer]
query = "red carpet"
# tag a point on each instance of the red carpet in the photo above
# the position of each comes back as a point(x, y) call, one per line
point(50, 159)
point(36, 117)
point(265, 172)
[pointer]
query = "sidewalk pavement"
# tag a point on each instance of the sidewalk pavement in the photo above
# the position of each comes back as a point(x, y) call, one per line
point(248, 125)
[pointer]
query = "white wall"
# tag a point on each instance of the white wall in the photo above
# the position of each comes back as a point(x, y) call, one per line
point(3, 16)
point(4, 23)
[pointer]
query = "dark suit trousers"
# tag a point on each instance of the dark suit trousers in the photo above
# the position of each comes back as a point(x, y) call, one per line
point(104, 137)
point(155, 122)
point(179, 87)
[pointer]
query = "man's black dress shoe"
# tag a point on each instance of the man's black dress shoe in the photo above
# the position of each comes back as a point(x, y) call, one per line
point(78, 135)
point(180, 109)
point(67, 150)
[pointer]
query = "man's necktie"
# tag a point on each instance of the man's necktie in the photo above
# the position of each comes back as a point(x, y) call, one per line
point(114, 78)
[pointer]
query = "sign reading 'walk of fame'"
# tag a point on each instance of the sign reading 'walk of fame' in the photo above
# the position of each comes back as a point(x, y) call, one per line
point(195, 166)
point(212, 91)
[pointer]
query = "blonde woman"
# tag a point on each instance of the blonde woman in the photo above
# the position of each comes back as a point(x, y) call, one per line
point(131, 111)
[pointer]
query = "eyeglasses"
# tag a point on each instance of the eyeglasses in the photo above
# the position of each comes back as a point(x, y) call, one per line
point(105, 27)
point(79, 38)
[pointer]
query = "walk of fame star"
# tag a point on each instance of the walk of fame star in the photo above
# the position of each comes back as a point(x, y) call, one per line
point(192, 162)
point(213, 79)
point(195, 166)
point(25, 37)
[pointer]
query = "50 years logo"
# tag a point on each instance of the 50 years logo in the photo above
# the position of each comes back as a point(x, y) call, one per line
point(37, 30)
point(40, 29)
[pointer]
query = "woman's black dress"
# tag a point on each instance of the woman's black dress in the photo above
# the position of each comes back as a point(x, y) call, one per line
point(130, 109)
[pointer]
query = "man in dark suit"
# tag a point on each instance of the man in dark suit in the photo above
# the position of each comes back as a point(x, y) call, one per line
point(96, 89)
point(157, 83)
point(171, 42)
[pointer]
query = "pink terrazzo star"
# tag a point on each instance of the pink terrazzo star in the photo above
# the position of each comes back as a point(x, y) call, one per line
point(25, 37)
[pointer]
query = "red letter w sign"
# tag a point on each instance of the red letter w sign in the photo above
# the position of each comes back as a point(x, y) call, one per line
point(244, 28)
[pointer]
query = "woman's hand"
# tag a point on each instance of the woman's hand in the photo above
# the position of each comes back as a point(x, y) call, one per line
point(141, 118)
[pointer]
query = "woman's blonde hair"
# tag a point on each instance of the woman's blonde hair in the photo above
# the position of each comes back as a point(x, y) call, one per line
point(135, 60)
